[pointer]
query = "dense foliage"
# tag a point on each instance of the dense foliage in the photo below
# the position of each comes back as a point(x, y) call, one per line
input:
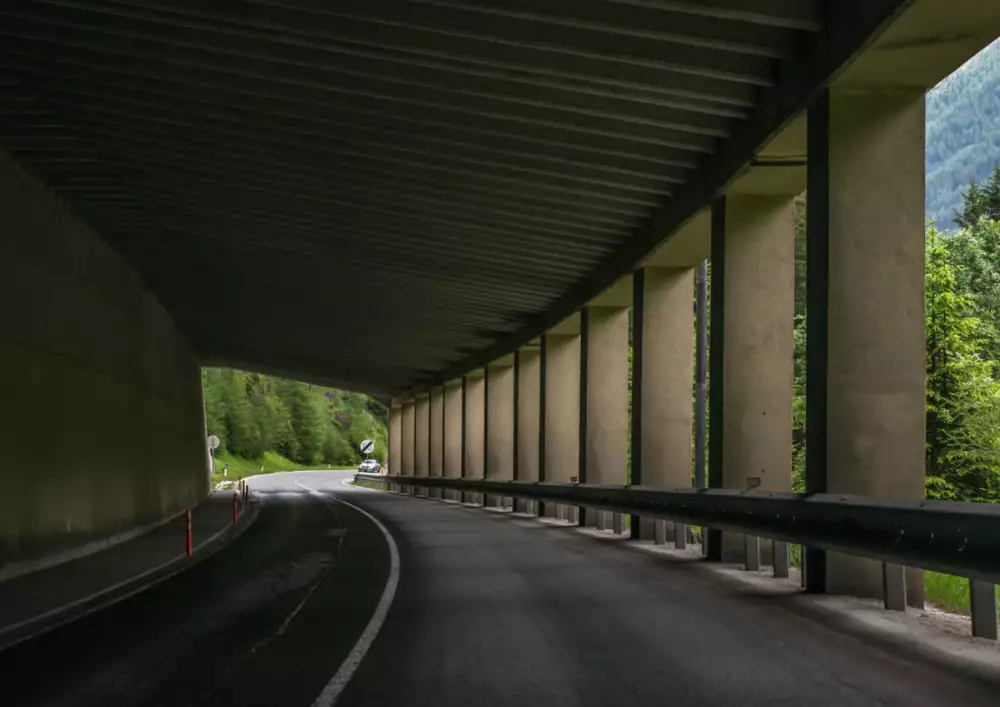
point(963, 350)
point(253, 413)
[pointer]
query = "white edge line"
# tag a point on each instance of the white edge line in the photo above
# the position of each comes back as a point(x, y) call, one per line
point(96, 595)
point(343, 675)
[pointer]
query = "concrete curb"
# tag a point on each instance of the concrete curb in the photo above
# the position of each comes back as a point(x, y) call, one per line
point(54, 618)
point(23, 567)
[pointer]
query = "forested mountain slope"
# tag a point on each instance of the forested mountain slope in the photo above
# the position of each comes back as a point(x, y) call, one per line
point(963, 132)
point(253, 414)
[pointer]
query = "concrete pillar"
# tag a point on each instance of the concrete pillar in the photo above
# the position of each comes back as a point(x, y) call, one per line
point(408, 438)
point(475, 428)
point(666, 338)
point(605, 431)
point(395, 439)
point(759, 345)
point(422, 445)
point(562, 413)
point(436, 436)
point(500, 424)
point(876, 348)
point(528, 418)
point(452, 433)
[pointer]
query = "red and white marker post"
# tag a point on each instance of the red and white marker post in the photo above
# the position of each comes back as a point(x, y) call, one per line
point(189, 544)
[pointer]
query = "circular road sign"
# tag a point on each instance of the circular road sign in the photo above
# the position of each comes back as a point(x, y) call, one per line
point(367, 446)
point(213, 442)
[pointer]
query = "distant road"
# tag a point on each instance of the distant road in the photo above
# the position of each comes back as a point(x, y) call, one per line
point(488, 611)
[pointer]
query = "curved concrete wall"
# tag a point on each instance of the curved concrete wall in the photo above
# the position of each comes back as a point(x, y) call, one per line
point(104, 424)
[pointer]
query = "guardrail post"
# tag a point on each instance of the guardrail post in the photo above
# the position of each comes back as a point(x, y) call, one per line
point(894, 586)
point(680, 536)
point(983, 601)
point(752, 546)
point(780, 554)
point(618, 523)
point(659, 532)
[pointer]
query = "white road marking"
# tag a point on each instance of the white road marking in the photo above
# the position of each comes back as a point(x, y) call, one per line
point(339, 681)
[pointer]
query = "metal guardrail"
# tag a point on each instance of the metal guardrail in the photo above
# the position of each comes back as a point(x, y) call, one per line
point(952, 537)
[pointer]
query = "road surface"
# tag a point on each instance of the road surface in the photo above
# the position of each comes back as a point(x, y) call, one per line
point(488, 610)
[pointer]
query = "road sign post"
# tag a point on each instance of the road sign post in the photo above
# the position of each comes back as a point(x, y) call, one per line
point(213, 443)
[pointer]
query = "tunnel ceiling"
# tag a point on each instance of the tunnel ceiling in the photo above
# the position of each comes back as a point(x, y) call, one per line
point(380, 195)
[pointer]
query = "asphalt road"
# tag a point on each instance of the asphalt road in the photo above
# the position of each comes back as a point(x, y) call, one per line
point(489, 610)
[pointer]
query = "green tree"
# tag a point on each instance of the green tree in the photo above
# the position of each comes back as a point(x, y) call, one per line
point(306, 422)
point(241, 431)
point(961, 390)
point(980, 201)
point(215, 405)
point(975, 251)
point(336, 449)
point(253, 413)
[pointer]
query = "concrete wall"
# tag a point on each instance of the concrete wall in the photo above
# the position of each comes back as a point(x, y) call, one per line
point(453, 430)
point(395, 439)
point(104, 427)
point(562, 408)
point(527, 412)
point(759, 342)
point(758, 358)
point(407, 456)
point(437, 432)
point(422, 440)
point(475, 460)
point(607, 395)
point(500, 425)
point(668, 352)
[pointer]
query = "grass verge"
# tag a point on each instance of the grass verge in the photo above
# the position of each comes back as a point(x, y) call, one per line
point(948, 592)
point(942, 591)
point(375, 485)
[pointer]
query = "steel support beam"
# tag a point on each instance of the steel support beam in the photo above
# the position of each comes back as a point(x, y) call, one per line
point(817, 327)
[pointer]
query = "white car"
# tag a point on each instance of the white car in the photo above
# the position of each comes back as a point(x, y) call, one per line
point(369, 466)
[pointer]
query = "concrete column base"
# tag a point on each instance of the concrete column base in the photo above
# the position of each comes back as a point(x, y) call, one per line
point(734, 549)
point(861, 577)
